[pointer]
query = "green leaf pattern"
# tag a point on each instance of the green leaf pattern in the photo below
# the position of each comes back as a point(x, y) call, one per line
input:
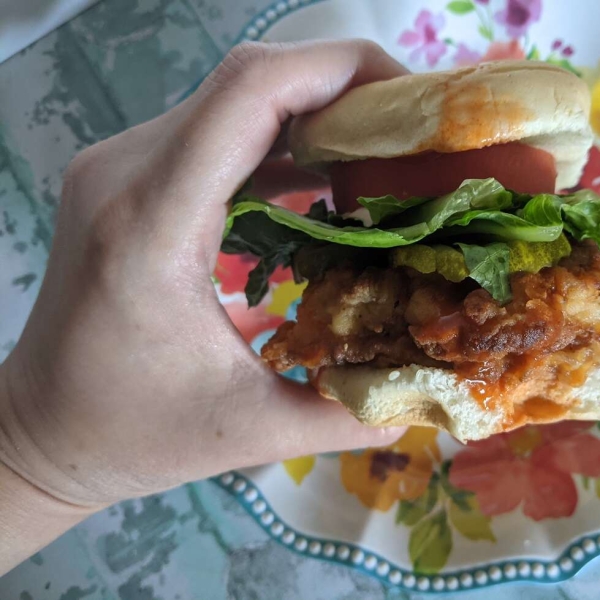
point(430, 543)
point(436, 516)
point(471, 523)
point(411, 512)
point(461, 7)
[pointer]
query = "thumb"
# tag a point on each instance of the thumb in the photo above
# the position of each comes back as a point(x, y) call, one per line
point(298, 421)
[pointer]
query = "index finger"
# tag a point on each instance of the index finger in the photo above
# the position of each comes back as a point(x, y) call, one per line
point(228, 126)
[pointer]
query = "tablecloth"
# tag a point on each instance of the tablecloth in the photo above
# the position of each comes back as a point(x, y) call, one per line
point(118, 64)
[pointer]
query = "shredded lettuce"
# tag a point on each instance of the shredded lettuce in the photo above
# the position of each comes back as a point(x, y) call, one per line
point(480, 215)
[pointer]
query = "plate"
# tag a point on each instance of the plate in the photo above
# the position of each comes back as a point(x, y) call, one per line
point(427, 513)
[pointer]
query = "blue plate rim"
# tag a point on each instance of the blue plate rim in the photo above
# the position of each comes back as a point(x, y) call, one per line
point(519, 569)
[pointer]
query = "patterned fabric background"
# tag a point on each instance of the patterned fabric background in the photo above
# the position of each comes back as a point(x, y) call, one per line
point(118, 64)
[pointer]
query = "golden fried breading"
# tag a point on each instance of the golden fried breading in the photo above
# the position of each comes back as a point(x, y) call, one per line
point(395, 317)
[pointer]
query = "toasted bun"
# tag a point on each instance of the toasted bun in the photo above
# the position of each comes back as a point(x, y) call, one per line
point(435, 397)
point(494, 103)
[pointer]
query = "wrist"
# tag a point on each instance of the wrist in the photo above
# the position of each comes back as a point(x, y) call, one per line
point(31, 445)
point(30, 518)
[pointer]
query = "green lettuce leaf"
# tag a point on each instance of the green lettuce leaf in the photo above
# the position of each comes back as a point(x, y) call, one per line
point(274, 244)
point(385, 207)
point(422, 220)
point(353, 235)
point(479, 208)
point(502, 226)
point(581, 212)
point(489, 266)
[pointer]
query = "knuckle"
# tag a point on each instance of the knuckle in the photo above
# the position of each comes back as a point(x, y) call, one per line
point(75, 177)
point(247, 63)
point(248, 54)
point(244, 62)
point(369, 45)
point(369, 50)
point(77, 167)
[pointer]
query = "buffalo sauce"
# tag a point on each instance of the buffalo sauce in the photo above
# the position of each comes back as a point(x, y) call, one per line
point(473, 116)
point(532, 388)
point(536, 409)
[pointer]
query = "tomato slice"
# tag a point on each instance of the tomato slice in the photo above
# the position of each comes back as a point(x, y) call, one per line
point(516, 166)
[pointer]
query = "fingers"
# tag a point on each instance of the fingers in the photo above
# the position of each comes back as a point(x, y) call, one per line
point(265, 85)
point(225, 130)
point(274, 418)
point(276, 177)
point(293, 420)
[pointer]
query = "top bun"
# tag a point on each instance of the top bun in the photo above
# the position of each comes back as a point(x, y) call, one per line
point(493, 103)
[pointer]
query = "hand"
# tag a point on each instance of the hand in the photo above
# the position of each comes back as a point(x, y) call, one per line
point(129, 377)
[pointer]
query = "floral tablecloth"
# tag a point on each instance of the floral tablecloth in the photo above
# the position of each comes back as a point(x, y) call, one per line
point(118, 64)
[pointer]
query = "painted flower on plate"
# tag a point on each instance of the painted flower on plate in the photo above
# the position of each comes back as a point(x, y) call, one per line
point(252, 321)
point(424, 38)
point(518, 15)
point(496, 51)
point(591, 174)
point(232, 269)
point(595, 113)
point(232, 272)
point(382, 476)
point(504, 51)
point(465, 56)
point(532, 467)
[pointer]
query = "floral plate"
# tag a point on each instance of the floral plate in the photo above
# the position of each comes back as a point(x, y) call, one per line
point(427, 512)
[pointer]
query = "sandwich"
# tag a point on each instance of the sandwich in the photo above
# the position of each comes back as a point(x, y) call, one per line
point(457, 282)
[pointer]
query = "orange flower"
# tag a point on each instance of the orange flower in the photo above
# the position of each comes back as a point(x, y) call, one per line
point(504, 51)
point(595, 115)
point(401, 471)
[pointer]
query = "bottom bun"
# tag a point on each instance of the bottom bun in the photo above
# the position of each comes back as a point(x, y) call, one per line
point(436, 397)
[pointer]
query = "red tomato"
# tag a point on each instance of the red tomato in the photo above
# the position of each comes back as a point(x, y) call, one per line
point(516, 166)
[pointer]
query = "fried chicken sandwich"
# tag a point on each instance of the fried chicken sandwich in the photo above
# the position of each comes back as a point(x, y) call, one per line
point(457, 283)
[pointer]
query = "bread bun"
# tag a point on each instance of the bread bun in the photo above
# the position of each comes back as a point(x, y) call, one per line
point(494, 103)
point(435, 397)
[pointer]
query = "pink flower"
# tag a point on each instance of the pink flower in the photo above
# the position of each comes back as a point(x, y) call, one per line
point(252, 321)
point(519, 15)
point(504, 51)
point(465, 56)
point(232, 269)
point(232, 272)
point(591, 173)
point(532, 466)
point(425, 38)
